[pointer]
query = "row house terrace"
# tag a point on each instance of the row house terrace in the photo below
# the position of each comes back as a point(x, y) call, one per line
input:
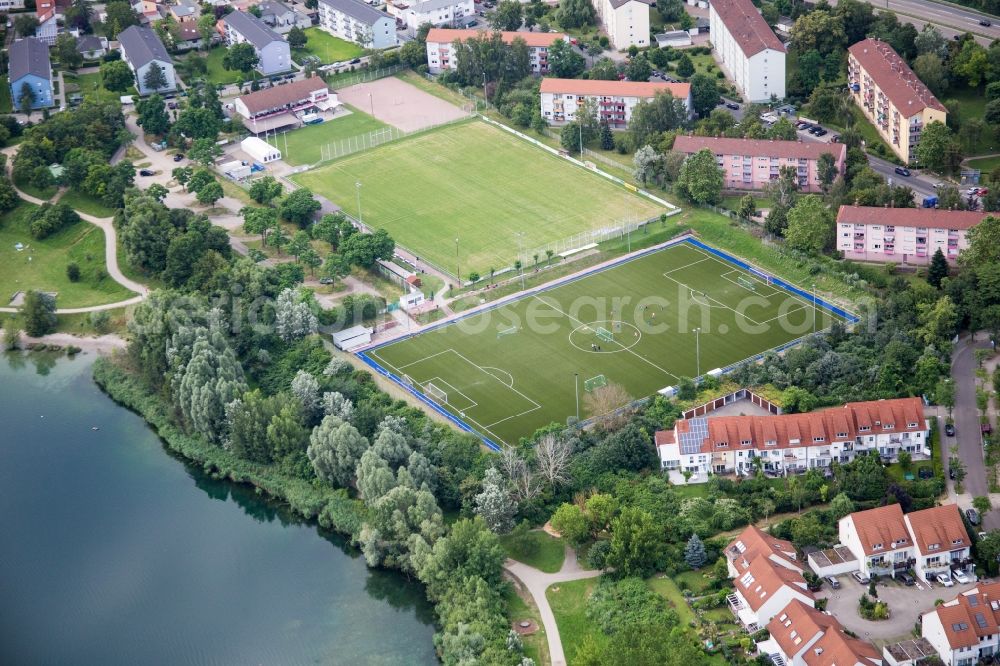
point(792, 443)
point(803, 636)
point(966, 629)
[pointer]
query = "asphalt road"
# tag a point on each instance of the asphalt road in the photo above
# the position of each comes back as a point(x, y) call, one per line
point(952, 20)
point(966, 416)
point(922, 186)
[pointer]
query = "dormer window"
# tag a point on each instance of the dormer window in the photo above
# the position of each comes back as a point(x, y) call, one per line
point(933, 546)
point(841, 435)
point(888, 426)
point(957, 542)
point(771, 442)
point(864, 428)
point(819, 439)
point(877, 546)
point(911, 425)
point(722, 444)
point(745, 442)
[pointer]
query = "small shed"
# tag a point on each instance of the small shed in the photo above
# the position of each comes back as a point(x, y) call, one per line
point(236, 169)
point(414, 299)
point(260, 150)
point(674, 38)
point(352, 338)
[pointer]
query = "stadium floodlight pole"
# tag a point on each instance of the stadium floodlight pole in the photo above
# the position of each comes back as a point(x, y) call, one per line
point(520, 252)
point(458, 265)
point(697, 350)
point(357, 188)
point(576, 386)
point(371, 101)
point(486, 95)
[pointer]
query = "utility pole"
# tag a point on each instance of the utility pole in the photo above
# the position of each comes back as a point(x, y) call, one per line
point(580, 125)
point(458, 266)
point(357, 188)
point(697, 351)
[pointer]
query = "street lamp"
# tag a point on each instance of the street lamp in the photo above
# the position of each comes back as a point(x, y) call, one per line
point(458, 266)
point(814, 307)
point(371, 101)
point(357, 188)
point(576, 387)
point(697, 351)
point(520, 252)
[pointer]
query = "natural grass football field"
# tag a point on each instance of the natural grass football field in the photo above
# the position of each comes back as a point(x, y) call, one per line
point(509, 371)
point(479, 184)
point(305, 144)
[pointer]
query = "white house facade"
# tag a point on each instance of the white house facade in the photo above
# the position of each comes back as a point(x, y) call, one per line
point(142, 50)
point(748, 49)
point(451, 13)
point(358, 22)
point(273, 53)
point(967, 628)
point(614, 100)
point(625, 21)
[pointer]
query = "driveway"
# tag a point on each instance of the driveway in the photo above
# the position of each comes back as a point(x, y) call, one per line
point(966, 416)
point(906, 604)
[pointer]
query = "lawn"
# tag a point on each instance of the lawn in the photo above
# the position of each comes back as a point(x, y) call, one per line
point(305, 144)
point(327, 48)
point(694, 580)
point(85, 204)
point(972, 105)
point(985, 164)
point(631, 324)
point(667, 589)
point(547, 555)
point(88, 85)
point(569, 605)
point(42, 265)
point(536, 645)
point(733, 203)
point(216, 72)
point(475, 183)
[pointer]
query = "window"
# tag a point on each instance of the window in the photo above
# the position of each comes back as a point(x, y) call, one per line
point(722, 444)
point(864, 428)
point(877, 546)
point(819, 439)
point(745, 442)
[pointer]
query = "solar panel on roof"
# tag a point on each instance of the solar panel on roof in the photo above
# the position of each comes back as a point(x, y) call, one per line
point(696, 434)
point(981, 620)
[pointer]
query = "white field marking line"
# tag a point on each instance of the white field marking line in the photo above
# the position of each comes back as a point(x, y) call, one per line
point(783, 316)
point(466, 419)
point(426, 358)
point(774, 292)
point(436, 380)
point(476, 365)
point(527, 411)
point(789, 294)
point(509, 376)
point(680, 268)
point(624, 348)
point(721, 304)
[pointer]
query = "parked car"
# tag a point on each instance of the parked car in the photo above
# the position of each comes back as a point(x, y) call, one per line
point(861, 577)
point(907, 579)
point(949, 429)
point(959, 576)
point(802, 125)
point(972, 515)
point(985, 23)
point(925, 473)
point(834, 583)
point(822, 132)
point(945, 580)
point(472, 24)
point(178, 157)
point(733, 106)
point(355, 61)
point(326, 280)
point(835, 138)
point(145, 172)
point(982, 191)
point(902, 171)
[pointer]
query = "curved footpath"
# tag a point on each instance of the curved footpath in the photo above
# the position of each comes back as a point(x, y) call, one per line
point(536, 582)
point(105, 224)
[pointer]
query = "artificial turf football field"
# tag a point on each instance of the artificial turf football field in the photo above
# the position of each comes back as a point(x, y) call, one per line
point(510, 370)
point(478, 184)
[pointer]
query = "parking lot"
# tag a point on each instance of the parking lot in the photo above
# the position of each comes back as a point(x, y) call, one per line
point(906, 604)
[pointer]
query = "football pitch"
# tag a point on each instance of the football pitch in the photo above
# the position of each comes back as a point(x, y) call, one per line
point(480, 185)
point(642, 324)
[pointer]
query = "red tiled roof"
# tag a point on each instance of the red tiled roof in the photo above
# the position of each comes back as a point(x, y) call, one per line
point(836, 424)
point(613, 88)
point(894, 77)
point(754, 542)
point(448, 35)
point(883, 525)
point(938, 529)
point(272, 98)
point(664, 437)
point(759, 147)
point(762, 579)
point(747, 26)
point(798, 624)
point(960, 617)
point(931, 218)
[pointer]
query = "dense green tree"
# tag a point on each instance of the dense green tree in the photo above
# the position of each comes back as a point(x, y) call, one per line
point(365, 249)
point(507, 16)
point(205, 151)
point(694, 552)
point(209, 193)
point(575, 14)
point(826, 170)
point(247, 419)
point(810, 225)
point(265, 190)
point(241, 57)
point(38, 313)
point(65, 50)
point(565, 61)
point(297, 38)
point(700, 179)
point(210, 379)
point(116, 76)
point(931, 70)
point(154, 79)
point(153, 116)
point(636, 543)
point(938, 269)
point(685, 67)
point(704, 94)
point(494, 504)
point(299, 207)
point(572, 523)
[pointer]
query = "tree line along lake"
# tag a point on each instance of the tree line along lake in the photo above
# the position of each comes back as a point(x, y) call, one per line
point(113, 551)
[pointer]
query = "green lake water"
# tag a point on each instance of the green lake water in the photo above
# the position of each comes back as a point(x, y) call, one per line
point(113, 551)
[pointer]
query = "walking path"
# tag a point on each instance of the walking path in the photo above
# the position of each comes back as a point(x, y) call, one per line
point(106, 224)
point(101, 344)
point(536, 582)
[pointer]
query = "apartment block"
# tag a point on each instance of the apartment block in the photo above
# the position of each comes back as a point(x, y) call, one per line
point(966, 629)
point(358, 22)
point(273, 53)
point(748, 50)
point(891, 96)
point(750, 164)
point(614, 100)
point(903, 235)
point(142, 50)
point(30, 69)
point(441, 44)
point(792, 443)
point(625, 21)
point(437, 13)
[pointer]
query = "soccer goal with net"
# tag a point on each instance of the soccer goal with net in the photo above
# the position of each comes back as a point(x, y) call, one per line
point(407, 380)
point(435, 394)
point(604, 335)
point(746, 283)
point(507, 331)
point(761, 275)
point(594, 383)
